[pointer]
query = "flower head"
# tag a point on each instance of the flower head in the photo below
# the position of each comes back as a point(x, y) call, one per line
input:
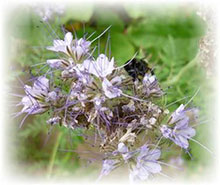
point(104, 103)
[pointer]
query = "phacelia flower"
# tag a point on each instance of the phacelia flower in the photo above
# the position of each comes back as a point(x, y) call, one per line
point(179, 115)
point(80, 48)
point(149, 79)
point(34, 101)
point(108, 165)
point(179, 135)
point(181, 132)
point(147, 163)
point(151, 86)
point(32, 106)
point(110, 90)
point(82, 74)
point(123, 150)
point(98, 101)
point(56, 63)
point(102, 67)
point(74, 48)
point(62, 45)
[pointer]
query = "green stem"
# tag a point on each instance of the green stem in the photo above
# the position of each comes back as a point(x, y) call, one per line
point(53, 156)
point(176, 78)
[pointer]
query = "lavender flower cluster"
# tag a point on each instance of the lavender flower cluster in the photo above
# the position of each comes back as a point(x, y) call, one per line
point(121, 112)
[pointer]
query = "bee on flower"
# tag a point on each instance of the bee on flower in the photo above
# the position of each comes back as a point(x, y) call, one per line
point(122, 115)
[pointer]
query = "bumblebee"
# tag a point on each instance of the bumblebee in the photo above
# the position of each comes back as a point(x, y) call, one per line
point(72, 25)
point(137, 68)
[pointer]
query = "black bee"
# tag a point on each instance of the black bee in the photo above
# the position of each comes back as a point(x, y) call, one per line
point(137, 68)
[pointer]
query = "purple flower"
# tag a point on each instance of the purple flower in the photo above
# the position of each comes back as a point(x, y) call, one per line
point(151, 86)
point(98, 101)
point(82, 74)
point(167, 132)
point(181, 132)
point(77, 91)
point(32, 106)
point(75, 48)
point(62, 45)
point(81, 96)
point(149, 79)
point(40, 88)
point(123, 150)
point(52, 96)
point(56, 63)
point(146, 164)
point(101, 67)
point(110, 90)
point(107, 166)
point(34, 101)
point(80, 48)
point(179, 115)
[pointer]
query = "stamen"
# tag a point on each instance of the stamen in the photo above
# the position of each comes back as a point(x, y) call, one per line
point(201, 145)
point(177, 101)
point(170, 165)
point(90, 35)
point(128, 62)
point(193, 97)
point(22, 122)
point(101, 34)
point(134, 98)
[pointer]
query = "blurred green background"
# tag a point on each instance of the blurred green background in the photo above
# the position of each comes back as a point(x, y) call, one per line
point(168, 36)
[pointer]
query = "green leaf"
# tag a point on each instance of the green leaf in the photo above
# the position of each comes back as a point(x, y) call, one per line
point(185, 49)
point(121, 49)
point(155, 30)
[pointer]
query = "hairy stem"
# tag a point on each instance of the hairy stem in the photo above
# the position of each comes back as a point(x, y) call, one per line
point(53, 156)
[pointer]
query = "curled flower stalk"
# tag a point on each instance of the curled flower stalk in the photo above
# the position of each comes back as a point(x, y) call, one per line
point(122, 112)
